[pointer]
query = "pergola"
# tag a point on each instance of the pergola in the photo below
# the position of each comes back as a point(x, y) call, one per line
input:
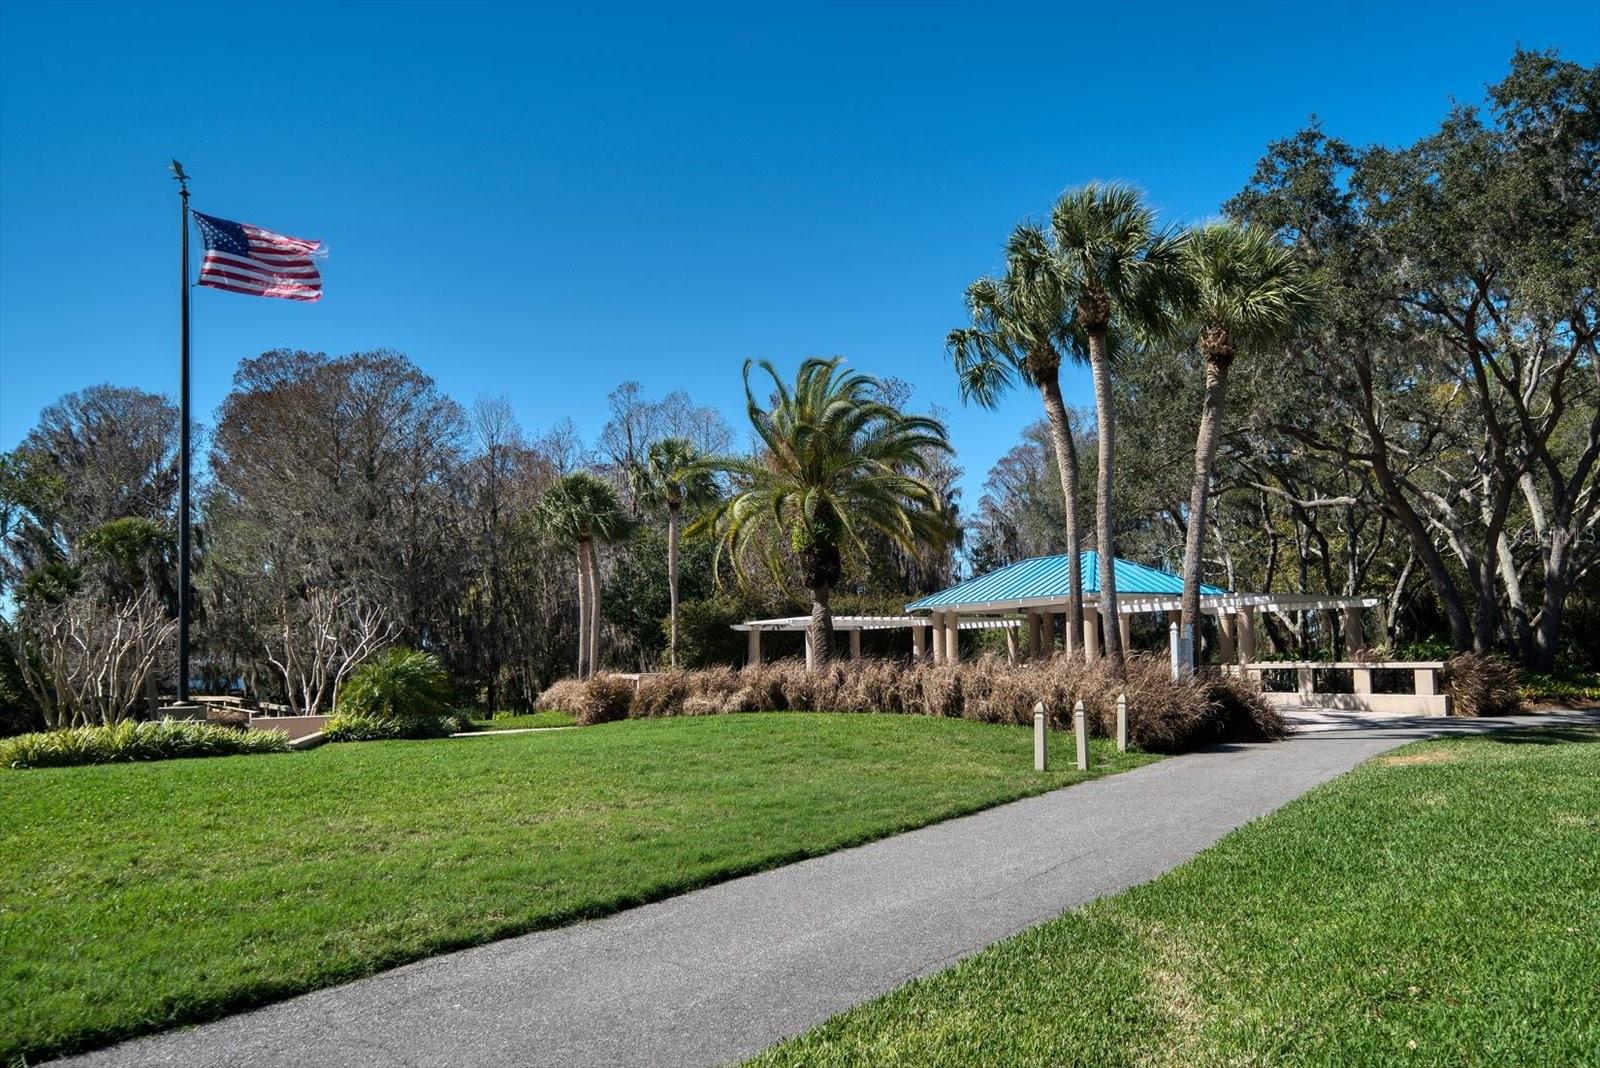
point(854, 625)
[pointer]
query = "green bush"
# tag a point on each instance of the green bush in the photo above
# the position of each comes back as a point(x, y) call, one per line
point(398, 684)
point(353, 727)
point(1564, 684)
point(128, 741)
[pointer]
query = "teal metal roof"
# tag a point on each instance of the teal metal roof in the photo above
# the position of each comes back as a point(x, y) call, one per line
point(1047, 577)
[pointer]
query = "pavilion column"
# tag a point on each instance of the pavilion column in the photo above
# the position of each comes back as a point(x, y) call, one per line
point(811, 656)
point(919, 642)
point(1225, 637)
point(1069, 640)
point(952, 638)
point(753, 659)
point(1011, 645)
point(1125, 629)
point(855, 644)
point(1247, 635)
point(1355, 640)
point(938, 636)
point(1033, 635)
point(1091, 632)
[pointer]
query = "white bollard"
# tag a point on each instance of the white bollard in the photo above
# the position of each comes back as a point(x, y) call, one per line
point(1041, 739)
point(1080, 724)
point(1122, 723)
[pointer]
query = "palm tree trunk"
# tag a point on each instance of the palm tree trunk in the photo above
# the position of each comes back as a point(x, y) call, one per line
point(1205, 453)
point(819, 650)
point(584, 552)
point(594, 612)
point(672, 584)
point(1105, 547)
point(1067, 467)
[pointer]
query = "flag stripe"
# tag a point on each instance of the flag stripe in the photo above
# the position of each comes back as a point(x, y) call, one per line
point(231, 288)
point(254, 280)
point(302, 271)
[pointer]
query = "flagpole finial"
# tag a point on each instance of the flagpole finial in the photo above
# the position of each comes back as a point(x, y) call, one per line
point(178, 176)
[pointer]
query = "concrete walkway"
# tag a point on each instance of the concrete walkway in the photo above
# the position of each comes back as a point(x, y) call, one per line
point(721, 973)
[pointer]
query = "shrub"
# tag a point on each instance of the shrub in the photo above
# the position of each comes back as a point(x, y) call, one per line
point(397, 684)
point(1482, 686)
point(563, 695)
point(352, 727)
point(605, 698)
point(129, 741)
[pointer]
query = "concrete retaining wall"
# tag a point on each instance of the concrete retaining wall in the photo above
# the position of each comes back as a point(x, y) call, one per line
point(293, 726)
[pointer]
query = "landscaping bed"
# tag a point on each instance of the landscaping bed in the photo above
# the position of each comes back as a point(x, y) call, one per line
point(1436, 906)
point(138, 897)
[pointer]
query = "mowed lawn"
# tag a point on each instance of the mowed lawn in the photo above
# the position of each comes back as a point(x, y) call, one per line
point(135, 897)
point(1437, 906)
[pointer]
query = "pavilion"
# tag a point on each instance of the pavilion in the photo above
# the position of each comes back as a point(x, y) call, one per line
point(1029, 598)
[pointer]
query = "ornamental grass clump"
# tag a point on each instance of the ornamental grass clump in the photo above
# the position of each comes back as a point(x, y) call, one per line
point(1481, 685)
point(129, 741)
point(1163, 716)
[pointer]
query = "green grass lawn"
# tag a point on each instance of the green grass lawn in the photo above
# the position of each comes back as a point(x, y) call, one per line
point(504, 721)
point(1437, 906)
point(134, 897)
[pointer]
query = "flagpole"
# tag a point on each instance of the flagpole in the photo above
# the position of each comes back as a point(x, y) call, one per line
point(183, 440)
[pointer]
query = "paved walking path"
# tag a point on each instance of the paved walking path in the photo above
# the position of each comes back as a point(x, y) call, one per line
point(721, 973)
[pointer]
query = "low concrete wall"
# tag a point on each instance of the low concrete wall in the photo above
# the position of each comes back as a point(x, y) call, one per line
point(293, 726)
point(1409, 704)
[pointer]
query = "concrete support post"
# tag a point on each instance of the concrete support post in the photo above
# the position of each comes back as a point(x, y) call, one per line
point(1362, 680)
point(754, 657)
point(1034, 627)
point(1247, 635)
point(938, 637)
point(1091, 632)
point(1122, 723)
point(1041, 739)
point(1125, 628)
point(1306, 682)
point(952, 637)
point(855, 645)
point(1355, 642)
point(811, 657)
point(1080, 727)
point(919, 642)
point(1174, 652)
point(1225, 647)
point(1069, 640)
point(1427, 682)
point(1011, 645)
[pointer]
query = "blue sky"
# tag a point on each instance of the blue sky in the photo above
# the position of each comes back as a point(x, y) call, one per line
point(542, 201)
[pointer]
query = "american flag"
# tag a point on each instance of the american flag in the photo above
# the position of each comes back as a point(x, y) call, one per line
point(248, 259)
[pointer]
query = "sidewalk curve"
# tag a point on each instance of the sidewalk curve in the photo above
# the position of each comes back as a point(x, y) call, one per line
point(720, 973)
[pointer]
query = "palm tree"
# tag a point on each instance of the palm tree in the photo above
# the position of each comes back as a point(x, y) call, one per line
point(1021, 327)
point(1117, 268)
point(1248, 293)
point(835, 464)
point(579, 510)
point(666, 480)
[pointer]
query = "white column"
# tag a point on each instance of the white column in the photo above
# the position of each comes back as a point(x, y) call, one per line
point(1091, 632)
point(1125, 629)
point(1034, 628)
point(1225, 649)
point(1069, 640)
point(938, 636)
point(1247, 635)
point(919, 642)
point(754, 657)
point(855, 645)
point(1011, 645)
point(952, 639)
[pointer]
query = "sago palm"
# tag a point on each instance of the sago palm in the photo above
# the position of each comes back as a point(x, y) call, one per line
point(1120, 272)
point(835, 463)
point(1247, 294)
point(1022, 328)
point(667, 481)
point(580, 510)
